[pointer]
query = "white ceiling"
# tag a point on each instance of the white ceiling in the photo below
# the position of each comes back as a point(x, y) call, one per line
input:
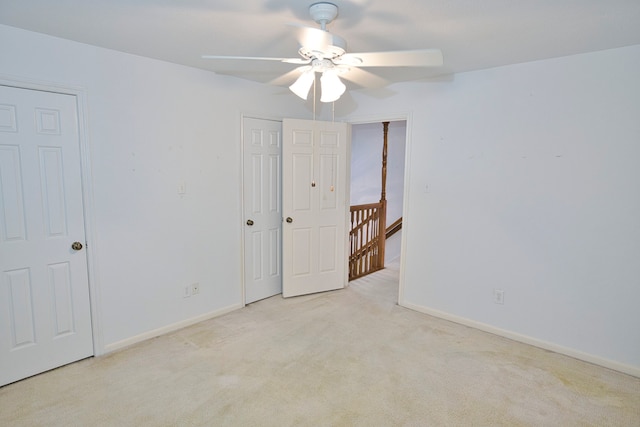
point(472, 34)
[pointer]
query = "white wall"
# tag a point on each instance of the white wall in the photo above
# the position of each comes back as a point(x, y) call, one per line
point(527, 178)
point(151, 126)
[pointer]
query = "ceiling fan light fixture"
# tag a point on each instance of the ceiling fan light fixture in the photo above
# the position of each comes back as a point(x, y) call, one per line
point(325, 53)
point(331, 86)
point(303, 84)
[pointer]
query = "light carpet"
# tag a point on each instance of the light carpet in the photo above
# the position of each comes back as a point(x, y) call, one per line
point(346, 358)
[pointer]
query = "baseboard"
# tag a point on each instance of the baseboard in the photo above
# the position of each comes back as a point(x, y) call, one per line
point(118, 345)
point(576, 354)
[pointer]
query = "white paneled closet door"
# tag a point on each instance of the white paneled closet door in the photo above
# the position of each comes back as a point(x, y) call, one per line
point(45, 317)
point(262, 201)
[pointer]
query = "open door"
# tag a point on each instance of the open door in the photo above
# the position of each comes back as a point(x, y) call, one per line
point(45, 314)
point(315, 206)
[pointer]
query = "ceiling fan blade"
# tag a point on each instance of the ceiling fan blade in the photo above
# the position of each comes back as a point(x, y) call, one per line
point(300, 61)
point(288, 78)
point(399, 58)
point(363, 78)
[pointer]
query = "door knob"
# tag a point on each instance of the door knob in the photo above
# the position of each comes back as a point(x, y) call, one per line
point(249, 222)
point(289, 219)
point(76, 246)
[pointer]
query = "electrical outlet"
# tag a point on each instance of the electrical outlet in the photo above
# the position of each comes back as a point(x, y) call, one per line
point(186, 292)
point(195, 289)
point(498, 296)
point(182, 188)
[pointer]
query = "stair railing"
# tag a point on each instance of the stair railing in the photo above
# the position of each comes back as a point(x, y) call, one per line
point(366, 238)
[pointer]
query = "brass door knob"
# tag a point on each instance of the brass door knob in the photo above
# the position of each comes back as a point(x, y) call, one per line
point(249, 222)
point(289, 220)
point(76, 246)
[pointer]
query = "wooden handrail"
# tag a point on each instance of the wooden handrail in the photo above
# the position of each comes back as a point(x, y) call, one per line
point(394, 228)
point(364, 206)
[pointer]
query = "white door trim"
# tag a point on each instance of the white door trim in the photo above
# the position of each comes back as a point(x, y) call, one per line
point(406, 217)
point(87, 193)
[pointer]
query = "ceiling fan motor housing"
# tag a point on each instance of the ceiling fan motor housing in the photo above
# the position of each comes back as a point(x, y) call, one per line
point(323, 13)
point(335, 50)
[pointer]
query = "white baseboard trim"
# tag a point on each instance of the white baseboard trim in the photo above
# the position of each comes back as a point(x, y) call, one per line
point(118, 345)
point(576, 354)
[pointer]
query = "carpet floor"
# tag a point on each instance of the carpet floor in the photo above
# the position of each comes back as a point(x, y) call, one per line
point(345, 358)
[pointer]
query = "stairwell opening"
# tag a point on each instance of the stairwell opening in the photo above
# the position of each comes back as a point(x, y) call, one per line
point(377, 191)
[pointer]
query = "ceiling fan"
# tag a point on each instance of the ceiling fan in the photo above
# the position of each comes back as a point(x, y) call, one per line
point(325, 53)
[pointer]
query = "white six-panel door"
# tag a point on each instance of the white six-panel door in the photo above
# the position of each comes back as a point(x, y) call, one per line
point(262, 221)
point(45, 318)
point(315, 206)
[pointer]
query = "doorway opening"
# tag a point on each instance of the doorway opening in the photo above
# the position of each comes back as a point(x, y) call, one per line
point(378, 151)
point(366, 146)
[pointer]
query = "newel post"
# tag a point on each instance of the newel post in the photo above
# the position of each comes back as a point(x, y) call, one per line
point(383, 197)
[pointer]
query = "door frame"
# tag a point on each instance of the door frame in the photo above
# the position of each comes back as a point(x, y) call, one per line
point(243, 284)
point(406, 218)
point(87, 192)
